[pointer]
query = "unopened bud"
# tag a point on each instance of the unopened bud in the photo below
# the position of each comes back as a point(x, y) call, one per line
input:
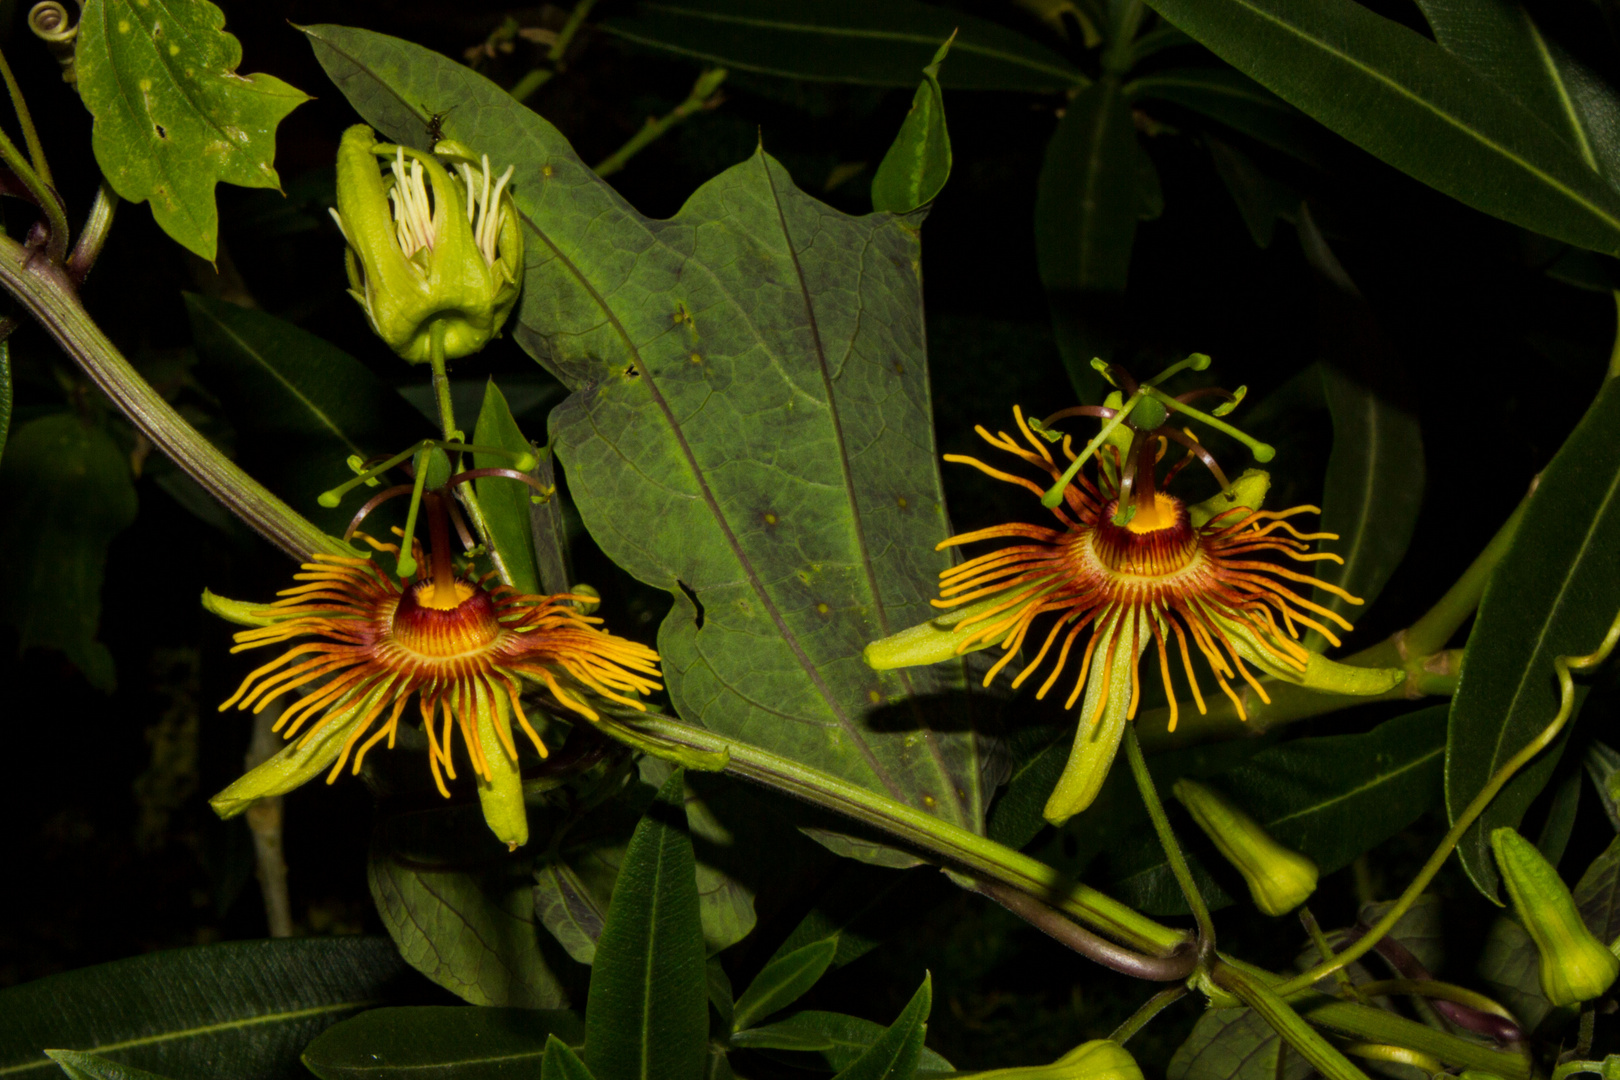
point(1100, 1059)
point(1279, 880)
point(1575, 966)
point(432, 250)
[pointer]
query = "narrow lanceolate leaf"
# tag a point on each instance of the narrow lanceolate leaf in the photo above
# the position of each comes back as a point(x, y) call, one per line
point(848, 41)
point(1330, 797)
point(505, 501)
point(1499, 39)
point(918, 163)
point(895, 1053)
point(840, 1039)
point(1371, 495)
point(783, 981)
point(300, 406)
point(173, 118)
point(648, 1007)
point(1410, 102)
point(749, 430)
point(241, 1009)
point(461, 908)
point(439, 1042)
point(80, 1066)
point(561, 1063)
point(67, 492)
point(1553, 594)
point(1086, 203)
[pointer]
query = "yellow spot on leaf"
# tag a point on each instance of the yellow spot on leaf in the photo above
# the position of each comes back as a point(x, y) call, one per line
point(123, 26)
point(822, 608)
point(697, 358)
point(146, 84)
point(874, 696)
point(545, 171)
point(901, 502)
point(770, 519)
point(174, 50)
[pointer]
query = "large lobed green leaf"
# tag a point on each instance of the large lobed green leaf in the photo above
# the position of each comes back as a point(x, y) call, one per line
point(241, 1009)
point(749, 429)
point(67, 492)
point(1415, 105)
point(648, 1009)
point(173, 118)
point(849, 41)
point(1554, 594)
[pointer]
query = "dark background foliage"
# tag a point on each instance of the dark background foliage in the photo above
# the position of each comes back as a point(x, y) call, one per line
point(109, 849)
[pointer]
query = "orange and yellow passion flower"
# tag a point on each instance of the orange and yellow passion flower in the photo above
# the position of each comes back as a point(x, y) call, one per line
point(1132, 567)
point(463, 647)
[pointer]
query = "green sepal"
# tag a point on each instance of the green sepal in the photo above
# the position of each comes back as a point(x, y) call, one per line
point(239, 612)
point(1575, 965)
point(501, 795)
point(936, 640)
point(1279, 878)
point(298, 763)
point(1096, 742)
point(1320, 674)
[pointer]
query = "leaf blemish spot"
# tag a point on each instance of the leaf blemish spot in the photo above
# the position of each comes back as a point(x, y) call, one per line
point(160, 132)
point(545, 171)
point(770, 519)
point(822, 609)
point(123, 26)
point(874, 697)
point(697, 358)
point(631, 372)
point(174, 50)
point(899, 368)
point(900, 501)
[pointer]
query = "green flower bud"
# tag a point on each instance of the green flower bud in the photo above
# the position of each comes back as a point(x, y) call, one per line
point(431, 250)
point(1279, 879)
point(1575, 966)
point(1100, 1059)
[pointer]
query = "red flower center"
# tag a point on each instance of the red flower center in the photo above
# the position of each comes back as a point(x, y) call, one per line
point(445, 633)
point(1164, 547)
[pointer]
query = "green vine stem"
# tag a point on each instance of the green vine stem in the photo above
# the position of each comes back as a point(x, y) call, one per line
point(1167, 841)
point(537, 78)
point(93, 237)
point(1274, 1010)
point(1562, 665)
point(1054, 924)
point(48, 294)
point(981, 857)
point(1152, 1007)
point(703, 96)
point(25, 120)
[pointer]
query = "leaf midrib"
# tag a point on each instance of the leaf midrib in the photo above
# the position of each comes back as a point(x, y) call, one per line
point(1522, 686)
point(959, 46)
point(199, 1032)
point(252, 353)
point(1381, 778)
point(1479, 137)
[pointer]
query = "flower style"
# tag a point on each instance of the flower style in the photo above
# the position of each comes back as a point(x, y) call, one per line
point(434, 254)
point(459, 645)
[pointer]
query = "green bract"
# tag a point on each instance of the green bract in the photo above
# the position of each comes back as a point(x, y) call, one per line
point(1575, 966)
point(433, 253)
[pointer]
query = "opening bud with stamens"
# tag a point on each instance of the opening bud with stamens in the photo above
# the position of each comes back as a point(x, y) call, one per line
point(434, 243)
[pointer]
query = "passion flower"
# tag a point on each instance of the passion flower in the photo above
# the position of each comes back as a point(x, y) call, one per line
point(1135, 566)
point(461, 646)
